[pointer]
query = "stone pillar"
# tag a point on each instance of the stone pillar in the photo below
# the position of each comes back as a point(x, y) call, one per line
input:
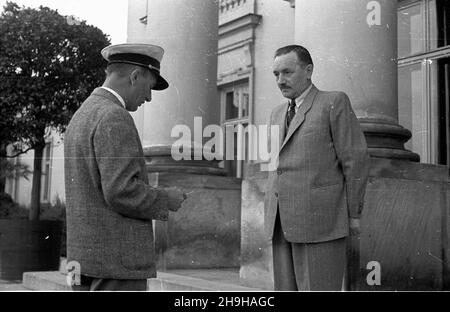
point(404, 224)
point(188, 32)
point(205, 232)
point(359, 58)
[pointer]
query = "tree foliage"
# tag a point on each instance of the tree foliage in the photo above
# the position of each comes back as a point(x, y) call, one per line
point(49, 64)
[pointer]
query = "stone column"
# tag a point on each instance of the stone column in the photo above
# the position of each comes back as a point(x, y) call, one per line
point(205, 232)
point(355, 55)
point(188, 32)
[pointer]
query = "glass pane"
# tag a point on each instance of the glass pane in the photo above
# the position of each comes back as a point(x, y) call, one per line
point(410, 107)
point(245, 103)
point(47, 183)
point(47, 151)
point(410, 31)
point(439, 23)
point(434, 36)
point(440, 72)
point(231, 106)
point(232, 165)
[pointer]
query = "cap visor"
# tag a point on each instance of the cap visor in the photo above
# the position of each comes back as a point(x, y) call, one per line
point(161, 84)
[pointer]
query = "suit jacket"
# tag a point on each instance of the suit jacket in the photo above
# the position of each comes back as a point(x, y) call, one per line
point(322, 169)
point(110, 205)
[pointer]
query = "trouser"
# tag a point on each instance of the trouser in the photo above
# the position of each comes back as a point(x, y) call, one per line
point(308, 266)
point(105, 284)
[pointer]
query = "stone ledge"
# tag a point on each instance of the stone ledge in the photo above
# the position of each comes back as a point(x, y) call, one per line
point(12, 286)
point(175, 282)
point(56, 281)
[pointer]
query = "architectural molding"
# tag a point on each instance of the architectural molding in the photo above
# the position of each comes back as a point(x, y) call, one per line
point(234, 77)
point(291, 2)
point(236, 38)
point(229, 10)
point(245, 21)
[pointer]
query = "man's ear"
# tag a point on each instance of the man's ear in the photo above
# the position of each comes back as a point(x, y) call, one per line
point(134, 76)
point(310, 69)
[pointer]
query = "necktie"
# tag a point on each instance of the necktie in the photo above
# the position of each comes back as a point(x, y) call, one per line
point(290, 113)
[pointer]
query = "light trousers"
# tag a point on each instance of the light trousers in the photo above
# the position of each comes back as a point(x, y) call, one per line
point(308, 266)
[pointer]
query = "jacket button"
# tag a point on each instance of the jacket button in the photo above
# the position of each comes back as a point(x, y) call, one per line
point(276, 194)
point(279, 172)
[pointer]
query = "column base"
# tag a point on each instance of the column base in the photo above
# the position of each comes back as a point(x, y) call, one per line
point(386, 139)
point(158, 158)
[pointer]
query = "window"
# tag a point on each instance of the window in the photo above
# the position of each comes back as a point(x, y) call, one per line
point(410, 30)
point(410, 106)
point(235, 112)
point(442, 92)
point(46, 173)
point(424, 54)
point(236, 103)
point(440, 23)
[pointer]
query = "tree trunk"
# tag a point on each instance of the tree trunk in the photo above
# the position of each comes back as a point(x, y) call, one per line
point(2, 162)
point(35, 207)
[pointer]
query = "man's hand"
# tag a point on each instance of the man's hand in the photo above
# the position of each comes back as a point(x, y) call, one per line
point(176, 198)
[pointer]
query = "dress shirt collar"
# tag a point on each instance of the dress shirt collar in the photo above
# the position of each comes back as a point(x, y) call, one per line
point(299, 100)
point(116, 95)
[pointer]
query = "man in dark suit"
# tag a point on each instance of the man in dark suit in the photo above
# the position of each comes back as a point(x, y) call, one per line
point(317, 191)
point(110, 206)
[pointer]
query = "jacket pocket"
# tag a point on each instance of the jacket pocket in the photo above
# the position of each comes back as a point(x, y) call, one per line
point(325, 184)
point(325, 202)
point(136, 245)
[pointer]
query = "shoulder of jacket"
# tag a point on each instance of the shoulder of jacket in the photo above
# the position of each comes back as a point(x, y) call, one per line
point(333, 98)
point(110, 113)
point(332, 94)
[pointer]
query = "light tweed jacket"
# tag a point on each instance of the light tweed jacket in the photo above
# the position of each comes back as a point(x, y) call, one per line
point(110, 205)
point(322, 170)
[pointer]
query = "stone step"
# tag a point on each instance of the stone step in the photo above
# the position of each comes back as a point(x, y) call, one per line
point(196, 280)
point(179, 280)
point(11, 286)
point(45, 281)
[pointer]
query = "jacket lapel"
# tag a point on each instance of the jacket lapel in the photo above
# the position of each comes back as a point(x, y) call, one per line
point(300, 115)
point(279, 119)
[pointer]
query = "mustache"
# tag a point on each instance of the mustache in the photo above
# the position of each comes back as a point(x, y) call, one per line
point(283, 86)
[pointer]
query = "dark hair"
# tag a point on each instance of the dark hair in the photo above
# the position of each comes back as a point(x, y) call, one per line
point(124, 69)
point(302, 53)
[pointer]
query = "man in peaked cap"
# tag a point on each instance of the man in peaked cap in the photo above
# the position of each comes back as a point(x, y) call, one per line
point(110, 206)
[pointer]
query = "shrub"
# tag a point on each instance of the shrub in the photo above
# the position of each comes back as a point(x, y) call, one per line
point(56, 212)
point(11, 210)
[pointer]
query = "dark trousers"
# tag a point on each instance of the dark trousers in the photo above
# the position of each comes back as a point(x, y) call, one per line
point(104, 284)
point(308, 266)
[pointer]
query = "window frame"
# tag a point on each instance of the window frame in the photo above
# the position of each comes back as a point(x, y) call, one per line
point(245, 81)
point(425, 59)
point(46, 176)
